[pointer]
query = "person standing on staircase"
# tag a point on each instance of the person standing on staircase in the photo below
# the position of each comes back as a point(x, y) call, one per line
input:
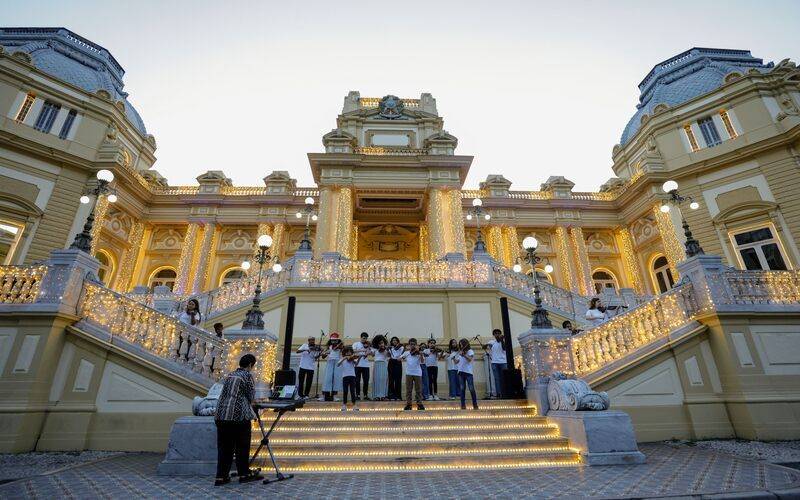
point(395, 368)
point(499, 360)
point(464, 359)
point(232, 419)
point(363, 349)
point(413, 358)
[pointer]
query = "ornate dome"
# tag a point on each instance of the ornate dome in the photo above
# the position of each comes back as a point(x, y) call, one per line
point(73, 59)
point(690, 74)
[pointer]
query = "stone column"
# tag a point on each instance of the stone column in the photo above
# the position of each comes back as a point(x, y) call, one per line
point(629, 262)
point(184, 271)
point(445, 220)
point(205, 257)
point(100, 212)
point(436, 226)
point(564, 259)
point(122, 283)
point(344, 221)
point(456, 222)
point(325, 222)
point(511, 246)
point(424, 242)
point(673, 249)
point(583, 268)
point(494, 242)
point(278, 240)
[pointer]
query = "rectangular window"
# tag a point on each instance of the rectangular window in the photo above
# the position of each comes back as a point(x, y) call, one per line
point(690, 135)
point(726, 120)
point(25, 108)
point(47, 116)
point(759, 250)
point(67, 124)
point(709, 131)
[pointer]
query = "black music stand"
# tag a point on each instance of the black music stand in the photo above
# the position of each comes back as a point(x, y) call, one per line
point(280, 406)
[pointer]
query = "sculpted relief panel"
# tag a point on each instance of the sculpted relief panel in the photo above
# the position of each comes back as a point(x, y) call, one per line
point(388, 241)
point(644, 229)
point(167, 239)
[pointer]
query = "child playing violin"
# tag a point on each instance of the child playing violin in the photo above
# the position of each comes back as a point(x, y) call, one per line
point(432, 356)
point(413, 358)
point(348, 364)
point(464, 358)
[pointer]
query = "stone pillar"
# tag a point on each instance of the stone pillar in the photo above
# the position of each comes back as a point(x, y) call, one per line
point(511, 246)
point(584, 270)
point(436, 225)
point(424, 242)
point(629, 262)
point(140, 257)
point(184, 270)
point(494, 242)
point(445, 220)
point(205, 257)
point(344, 221)
point(673, 249)
point(125, 275)
point(278, 240)
point(100, 212)
point(325, 222)
point(564, 259)
point(456, 222)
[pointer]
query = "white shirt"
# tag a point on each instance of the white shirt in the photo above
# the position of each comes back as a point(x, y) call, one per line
point(464, 364)
point(380, 356)
point(595, 317)
point(365, 349)
point(334, 355)
point(425, 353)
point(396, 352)
point(308, 359)
point(497, 352)
point(413, 366)
point(348, 368)
point(187, 318)
point(452, 364)
point(431, 358)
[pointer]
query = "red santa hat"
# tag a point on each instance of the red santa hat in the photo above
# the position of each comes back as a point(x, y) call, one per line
point(334, 336)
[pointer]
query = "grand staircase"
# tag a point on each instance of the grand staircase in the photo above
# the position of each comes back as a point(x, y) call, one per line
point(503, 434)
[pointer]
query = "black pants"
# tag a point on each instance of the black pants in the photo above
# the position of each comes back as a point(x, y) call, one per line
point(232, 437)
point(349, 384)
point(304, 380)
point(433, 373)
point(362, 373)
point(395, 379)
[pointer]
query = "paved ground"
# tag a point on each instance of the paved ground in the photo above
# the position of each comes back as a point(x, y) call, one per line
point(671, 470)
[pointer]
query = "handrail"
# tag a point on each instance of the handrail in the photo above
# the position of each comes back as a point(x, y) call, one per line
point(21, 284)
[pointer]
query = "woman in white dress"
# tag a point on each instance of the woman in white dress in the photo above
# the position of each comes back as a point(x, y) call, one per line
point(595, 315)
point(380, 369)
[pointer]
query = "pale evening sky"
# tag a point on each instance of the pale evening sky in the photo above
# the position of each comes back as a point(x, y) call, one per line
point(531, 89)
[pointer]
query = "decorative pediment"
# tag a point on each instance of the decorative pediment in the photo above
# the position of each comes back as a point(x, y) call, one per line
point(280, 182)
point(339, 141)
point(441, 143)
point(214, 176)
point(612, 184)
point(558, 184)
point(154, 178)
point(600, 242)
point(236, 240)
point(496, 184)
point(644, 229)
point(166, 239)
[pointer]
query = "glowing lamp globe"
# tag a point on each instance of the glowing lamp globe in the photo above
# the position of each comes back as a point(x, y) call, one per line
point(105, 175)
point(85, 199)
point(517, 268)
point(309, 200)
point(487, 216)
point(276, 267)
point(548, 269)
point(469, 216)
point(246, 265)
point(112, 198)
point(670, 186)
point(314, 217)
point(694, 205)
point(298, 215)
point(265, 241)
point(477, 202)
point(530, 243)
point(664, 208)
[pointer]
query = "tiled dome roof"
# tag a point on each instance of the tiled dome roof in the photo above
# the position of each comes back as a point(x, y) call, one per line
point(690, 74)
point(69, 57)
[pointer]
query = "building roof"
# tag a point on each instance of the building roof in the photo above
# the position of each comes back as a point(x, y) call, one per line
point(685, 76)
point(69, 57)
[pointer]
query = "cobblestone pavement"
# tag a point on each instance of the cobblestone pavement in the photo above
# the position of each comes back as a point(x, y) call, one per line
point(15, 466)
point(669, 471)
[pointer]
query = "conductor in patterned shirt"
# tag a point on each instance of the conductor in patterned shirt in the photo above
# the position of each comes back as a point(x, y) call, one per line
point(232, 418)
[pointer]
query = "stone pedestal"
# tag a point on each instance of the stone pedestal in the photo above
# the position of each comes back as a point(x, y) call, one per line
point(192, 449)
point(603, 437)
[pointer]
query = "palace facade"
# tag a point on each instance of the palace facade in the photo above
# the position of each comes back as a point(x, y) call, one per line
point(396, 232)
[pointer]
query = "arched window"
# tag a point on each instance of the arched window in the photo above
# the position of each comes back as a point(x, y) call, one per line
point(233, 274)
point(106, 271)
point(10, 235)
point(163, 277)
point(662, 275)
point(602, 279)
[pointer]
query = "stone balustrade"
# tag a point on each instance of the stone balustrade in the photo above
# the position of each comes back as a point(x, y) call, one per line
point(389, 273)
point(762, 287)
point(20, 284)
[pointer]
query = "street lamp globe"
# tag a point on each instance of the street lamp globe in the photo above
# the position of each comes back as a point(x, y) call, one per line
point(530, 243)
point(105, 175)
point(469, 216)
point(517, 268)
point(664, 208)
point(85, 199)
point(298, 215)
point(477, 202)
point(246, 265)
point(314, 217)
point(670, 186)
point(548, 268)
point(309, 200)
point(265, 241)
point(487, 217)
point(694, 205)
point(276, 267)
point(112, 198)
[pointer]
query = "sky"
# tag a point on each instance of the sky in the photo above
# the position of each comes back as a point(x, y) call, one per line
point(531, 89)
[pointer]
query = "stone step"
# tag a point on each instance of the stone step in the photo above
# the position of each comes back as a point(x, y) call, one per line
point(418, 448)
point(407, 419)
point(414, 426)
point(384, 415)
point(382, 436)
point(438, 463)
point(492, 404)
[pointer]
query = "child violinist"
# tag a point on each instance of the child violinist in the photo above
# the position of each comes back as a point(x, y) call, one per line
point(396, 350)
point(348, 363)
point(432, 357)
point(465, 357)
point(452, 370)
point(333, 373)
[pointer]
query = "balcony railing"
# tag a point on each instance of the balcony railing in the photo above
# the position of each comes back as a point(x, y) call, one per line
point(20, 284)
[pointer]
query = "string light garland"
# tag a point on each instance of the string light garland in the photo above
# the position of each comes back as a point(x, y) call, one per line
point(562, 253)
point(20, 284)
point(549, 435)
point(522, 464)
point(424, 452)
point(629, 260)
point(511, 246)
point(582, 260)
point(424, 247)
point(673, 249)
point(185, 259)
point(123, 280)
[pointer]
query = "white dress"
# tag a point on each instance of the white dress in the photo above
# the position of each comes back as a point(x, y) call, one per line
point(595, 317)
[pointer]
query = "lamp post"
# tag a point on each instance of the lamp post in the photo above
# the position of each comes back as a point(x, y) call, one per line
point(254, 319)
point(477, 211)
point(671, 188)
point(83, 240)
point(540, 317)
point(308, 211)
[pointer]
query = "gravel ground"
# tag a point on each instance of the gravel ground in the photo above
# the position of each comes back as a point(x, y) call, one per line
point(20, 465)
point(775, 452)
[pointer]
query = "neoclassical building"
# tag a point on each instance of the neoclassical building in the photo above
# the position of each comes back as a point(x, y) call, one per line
point(396, 235)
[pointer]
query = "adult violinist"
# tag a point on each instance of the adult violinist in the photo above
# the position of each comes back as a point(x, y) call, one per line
point(309, 353)
point(332, 383)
